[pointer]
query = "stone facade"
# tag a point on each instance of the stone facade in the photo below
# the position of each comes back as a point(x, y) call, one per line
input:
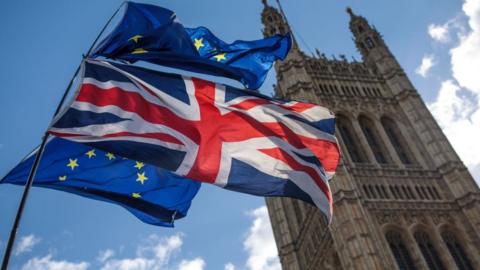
point(403, 198)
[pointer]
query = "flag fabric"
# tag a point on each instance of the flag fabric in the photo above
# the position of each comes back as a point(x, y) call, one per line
point(236, 139)
point(152, 34)
point(153, 195)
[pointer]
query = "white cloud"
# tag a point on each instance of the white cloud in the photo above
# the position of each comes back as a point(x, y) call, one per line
point(195, 264)
point(465, 57)
point(46, 263)
point(428, 61)
point(105, 255)
point(439, 33)
point(457, 107)
point(460, 120)
point(130, 264)
point(260, 243)
point(26, 244)
point(155, 253)
point(229, 266)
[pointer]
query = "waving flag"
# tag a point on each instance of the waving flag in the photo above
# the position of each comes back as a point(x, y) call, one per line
point(151, 33)
point(154, 195)
point(236, 139)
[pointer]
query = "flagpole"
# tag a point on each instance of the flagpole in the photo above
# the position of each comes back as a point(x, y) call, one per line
point(38, 155)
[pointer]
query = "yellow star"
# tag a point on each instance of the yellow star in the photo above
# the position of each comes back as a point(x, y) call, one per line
point(135, 38)
point(141, 177)
point(62, 178)
point(72, 164)
point(198, 43)
point(91, 153)
point(110, 156)
point(220, 57)
point(136, 195)
point(139, 165)
point(139, 51)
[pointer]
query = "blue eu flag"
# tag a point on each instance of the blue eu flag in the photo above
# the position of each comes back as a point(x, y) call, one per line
point(153, 195)
point(152, 34)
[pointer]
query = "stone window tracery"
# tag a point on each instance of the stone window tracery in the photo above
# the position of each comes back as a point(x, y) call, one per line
point(436, 193)
point(432, 194)
point(393, 134)
point(392, 189)
point(411, 195)
point(351, 142)
point(399, 251)
point(419, 193)
point(425, 194)
point(367, 192)
point(457, 251)
point(428, 251)
point(373, 139)
point(385, 192)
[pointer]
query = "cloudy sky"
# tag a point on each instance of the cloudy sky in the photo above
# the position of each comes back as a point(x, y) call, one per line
point(437, 43)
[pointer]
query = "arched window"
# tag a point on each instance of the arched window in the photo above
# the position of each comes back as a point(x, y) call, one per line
point(399, 251)
point(372, 139)
point(393, 134)
point(369, 43)
point(428, 251)
point(351, 142)
point(457, 252)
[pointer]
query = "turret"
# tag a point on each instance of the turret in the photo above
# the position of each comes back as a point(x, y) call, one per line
point(291, 73)
point(273, 21)
point(371, 45)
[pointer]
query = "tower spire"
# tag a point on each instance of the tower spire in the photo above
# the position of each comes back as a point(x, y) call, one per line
point(350, 11)
point(275, 21)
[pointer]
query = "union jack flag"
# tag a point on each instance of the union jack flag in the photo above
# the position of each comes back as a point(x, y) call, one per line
point(236, 139)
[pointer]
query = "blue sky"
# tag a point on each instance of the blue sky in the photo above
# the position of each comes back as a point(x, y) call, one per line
point(42, 43)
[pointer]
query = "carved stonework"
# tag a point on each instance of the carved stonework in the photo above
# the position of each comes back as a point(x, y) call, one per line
point(415, 218)
point(442, 218)
point(388, 218)
point(403, 176)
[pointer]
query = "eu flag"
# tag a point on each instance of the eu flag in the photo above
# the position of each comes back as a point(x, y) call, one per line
point(153, 195)
point(152, 34)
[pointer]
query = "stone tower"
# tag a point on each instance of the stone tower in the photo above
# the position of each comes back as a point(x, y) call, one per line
point(403, 199)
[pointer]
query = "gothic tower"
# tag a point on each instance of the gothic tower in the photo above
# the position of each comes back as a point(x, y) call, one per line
point(402, 197)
